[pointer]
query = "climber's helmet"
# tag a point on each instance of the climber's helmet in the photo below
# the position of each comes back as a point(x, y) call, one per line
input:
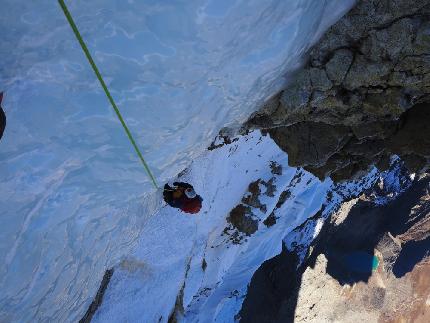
point(189, 192)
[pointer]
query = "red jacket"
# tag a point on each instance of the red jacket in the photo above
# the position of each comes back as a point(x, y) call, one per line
point(191, 205)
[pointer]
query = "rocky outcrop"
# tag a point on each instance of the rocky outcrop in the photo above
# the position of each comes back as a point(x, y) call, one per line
point(373, 64)
point(397, 287)
point(362, 97)
point(346, 151)
point(345, 108)
point(243, 220)
point(370, 262)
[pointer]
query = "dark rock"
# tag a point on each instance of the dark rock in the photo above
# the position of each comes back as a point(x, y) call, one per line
point(304, 143)
point(365, 73)
point(2, 117)
point(241, 219)
point(296, 97)
point(319, 79)
point(98, 299)
point(414, 135)
point(270, 189)
point(270, 220)
point(338, 66)
point(269, 290)
point(345, 152)
point(371, 66)
point(275, 168)
point(285, 195)
point(367, 226)
point(222, 139)
point(178, 310)
point(252, 198)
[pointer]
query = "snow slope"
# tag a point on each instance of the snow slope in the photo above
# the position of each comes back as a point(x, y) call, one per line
point(173, 246)
point(70, 199)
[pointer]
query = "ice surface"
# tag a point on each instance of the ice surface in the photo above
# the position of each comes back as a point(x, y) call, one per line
point(72, 189)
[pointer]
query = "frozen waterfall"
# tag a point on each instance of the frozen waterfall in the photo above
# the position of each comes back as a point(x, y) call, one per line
point(71, 185)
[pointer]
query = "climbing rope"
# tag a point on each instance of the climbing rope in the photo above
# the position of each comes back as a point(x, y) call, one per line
point(103, 84)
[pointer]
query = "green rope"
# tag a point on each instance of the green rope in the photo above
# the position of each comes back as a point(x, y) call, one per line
point(112, 102)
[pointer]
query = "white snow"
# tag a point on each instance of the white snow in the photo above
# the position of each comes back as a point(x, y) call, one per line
point(392, 182)
point(171, 251)
point(74, 197)
point(173, 245)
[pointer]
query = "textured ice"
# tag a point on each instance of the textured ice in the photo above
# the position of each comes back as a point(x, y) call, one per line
point(71, 187)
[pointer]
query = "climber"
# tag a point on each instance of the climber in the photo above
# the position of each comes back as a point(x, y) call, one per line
point(2, 117)
point(183, 197)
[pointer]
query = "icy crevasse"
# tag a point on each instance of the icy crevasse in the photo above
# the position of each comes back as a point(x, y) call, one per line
point(71, 186)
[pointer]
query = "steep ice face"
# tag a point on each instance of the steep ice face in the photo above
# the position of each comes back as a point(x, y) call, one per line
point(72, 187)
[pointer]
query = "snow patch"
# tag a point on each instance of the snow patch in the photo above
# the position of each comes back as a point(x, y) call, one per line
point(216, 292)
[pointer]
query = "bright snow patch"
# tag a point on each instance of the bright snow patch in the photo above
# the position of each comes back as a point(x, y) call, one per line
point(173, 245)
point(190, 265)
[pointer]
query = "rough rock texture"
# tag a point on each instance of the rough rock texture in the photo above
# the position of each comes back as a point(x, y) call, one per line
point(362, 97)
point(374, 63)
point(399, 287)
point(242, 218)
point(340, 113)
point(343, 151)
point(370, 263)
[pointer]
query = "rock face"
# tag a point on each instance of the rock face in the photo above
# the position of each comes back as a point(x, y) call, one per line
point(343, 151)
point(370, 262)
point(374, 63)
point(243, 220)
point(363, 96)
point(340, 113)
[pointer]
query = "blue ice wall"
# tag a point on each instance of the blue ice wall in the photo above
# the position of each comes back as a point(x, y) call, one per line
point(72, 188)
